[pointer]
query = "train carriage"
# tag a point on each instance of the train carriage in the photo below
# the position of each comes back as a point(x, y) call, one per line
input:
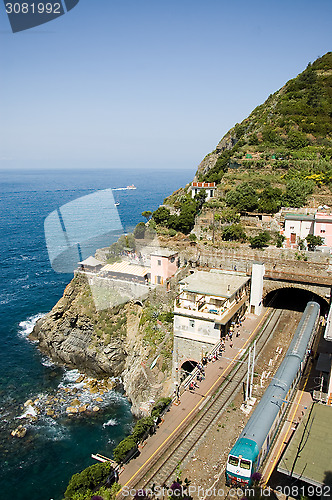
point(254, 442)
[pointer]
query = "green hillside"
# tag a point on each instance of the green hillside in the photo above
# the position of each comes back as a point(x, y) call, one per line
point(282, 153)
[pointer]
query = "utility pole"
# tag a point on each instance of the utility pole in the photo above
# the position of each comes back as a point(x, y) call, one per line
point(250, 371)
point(248, 376)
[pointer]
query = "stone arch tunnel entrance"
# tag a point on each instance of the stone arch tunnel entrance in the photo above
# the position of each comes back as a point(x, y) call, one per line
point(294, 298)
point(187, 367)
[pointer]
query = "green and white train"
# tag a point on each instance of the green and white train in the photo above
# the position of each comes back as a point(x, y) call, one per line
point(253, 444)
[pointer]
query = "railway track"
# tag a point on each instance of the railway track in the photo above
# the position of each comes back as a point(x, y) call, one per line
point(187, 438)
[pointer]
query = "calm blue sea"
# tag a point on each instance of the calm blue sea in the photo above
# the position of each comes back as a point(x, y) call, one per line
point(38, 467)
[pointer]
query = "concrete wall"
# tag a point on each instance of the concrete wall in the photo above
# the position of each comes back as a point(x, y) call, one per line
point(108, 292)
point(286, 261)
point(185, 326)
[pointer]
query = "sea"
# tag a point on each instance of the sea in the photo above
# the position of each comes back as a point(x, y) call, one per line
point(40, 465)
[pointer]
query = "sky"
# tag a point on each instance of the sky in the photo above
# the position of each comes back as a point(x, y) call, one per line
point(130, 83)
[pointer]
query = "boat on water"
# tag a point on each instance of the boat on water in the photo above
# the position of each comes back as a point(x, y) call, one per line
point(131, 186)
point(117, 203)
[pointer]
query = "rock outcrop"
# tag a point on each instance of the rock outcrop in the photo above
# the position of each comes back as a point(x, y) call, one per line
point(107, 343)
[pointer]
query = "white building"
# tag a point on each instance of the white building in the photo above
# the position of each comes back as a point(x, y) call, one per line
point(209, 188)
point(297, 226)
point(206, 307)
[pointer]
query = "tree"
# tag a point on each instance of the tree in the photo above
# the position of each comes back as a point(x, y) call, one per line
point(147, 214)
point(123, 448)
point(261, 240)
point(89, 479)
point(186, 220)
point(270, 200)
point(296, 140)
point(244, 198)
point(297, 192)
point(200, 198)
point(139, 231)
point(161, 216)
point(314, 241)
point(279, 240)
point(234, 232)
point(228, 215)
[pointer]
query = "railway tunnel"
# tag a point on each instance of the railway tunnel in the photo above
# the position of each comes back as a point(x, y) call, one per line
point(187, 367)
point(294, 298)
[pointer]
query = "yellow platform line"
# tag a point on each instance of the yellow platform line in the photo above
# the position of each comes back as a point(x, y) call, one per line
point(290, 424)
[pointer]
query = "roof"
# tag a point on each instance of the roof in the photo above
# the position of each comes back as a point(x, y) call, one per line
point(164, 252)
point(203, 185)
point(299, 217)
point(91, 261)
point(126, 268)
point(318, 217)
point(323, 220)
point(245, 447)
point(313, 437)
point(213, 283)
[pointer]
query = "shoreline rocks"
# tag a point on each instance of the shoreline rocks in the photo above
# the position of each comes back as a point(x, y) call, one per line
point(19, 432)
point(74, 334)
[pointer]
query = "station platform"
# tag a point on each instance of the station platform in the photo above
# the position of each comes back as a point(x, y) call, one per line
point(190, 402)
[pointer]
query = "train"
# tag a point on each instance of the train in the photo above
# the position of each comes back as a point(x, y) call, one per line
point(254, 442)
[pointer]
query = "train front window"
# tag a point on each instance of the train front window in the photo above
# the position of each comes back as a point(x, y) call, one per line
point(233, 460)
point(245, 464)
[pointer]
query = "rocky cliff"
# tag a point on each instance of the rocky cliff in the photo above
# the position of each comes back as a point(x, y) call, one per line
point(121, 342)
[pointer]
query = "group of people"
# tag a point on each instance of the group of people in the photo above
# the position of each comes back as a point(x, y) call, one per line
point(212, 357)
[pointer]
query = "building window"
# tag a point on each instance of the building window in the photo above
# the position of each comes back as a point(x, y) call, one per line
point(192, 323)
point(159, 262)
point(158, 280)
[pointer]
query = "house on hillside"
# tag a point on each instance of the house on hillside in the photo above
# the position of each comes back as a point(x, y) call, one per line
point(209, 187)
point(164, 264)
point(91, 265)
point(127, 272)
point(298, 226)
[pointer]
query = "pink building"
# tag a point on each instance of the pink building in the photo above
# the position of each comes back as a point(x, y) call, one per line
point(323, 228)
point(164, 264)
point(298, 226)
